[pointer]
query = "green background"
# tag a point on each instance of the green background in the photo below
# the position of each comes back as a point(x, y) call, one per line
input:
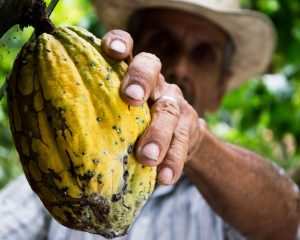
point(262, 115)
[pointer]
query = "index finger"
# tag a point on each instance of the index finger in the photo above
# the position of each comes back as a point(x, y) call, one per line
point(117, 44)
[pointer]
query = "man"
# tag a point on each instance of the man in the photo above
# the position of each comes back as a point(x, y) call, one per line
point(206, 48)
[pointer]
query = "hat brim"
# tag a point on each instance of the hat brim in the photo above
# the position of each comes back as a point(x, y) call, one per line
point(253, 34)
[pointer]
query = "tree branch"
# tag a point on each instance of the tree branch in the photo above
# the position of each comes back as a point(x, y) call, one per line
point(24, 12)
point(11, 11)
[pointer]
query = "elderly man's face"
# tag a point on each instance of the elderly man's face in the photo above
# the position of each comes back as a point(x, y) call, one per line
point(191, 50)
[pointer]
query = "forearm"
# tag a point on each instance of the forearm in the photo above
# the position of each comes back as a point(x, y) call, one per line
point(243, 188)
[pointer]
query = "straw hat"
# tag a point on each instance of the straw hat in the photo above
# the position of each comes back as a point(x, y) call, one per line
point(253, 34)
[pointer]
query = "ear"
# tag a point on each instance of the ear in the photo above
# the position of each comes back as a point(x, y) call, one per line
point(221, 90)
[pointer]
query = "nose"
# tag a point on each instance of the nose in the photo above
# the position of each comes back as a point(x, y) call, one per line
point(179, 67)
point(177, 72)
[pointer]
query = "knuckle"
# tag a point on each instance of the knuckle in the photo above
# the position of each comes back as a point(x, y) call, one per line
point(166, 107)
point(175, 89)
point(179, 146)
point(140, 76)
point(175, 159)
point(119, 33)
point(114, 32)
point(157, 132)
point(150, 57)
point(136, 75)
point(193, 115)
point(181, 134)
point(187, 109)
point(192, 112)
point(191, 118)
point(144, 70)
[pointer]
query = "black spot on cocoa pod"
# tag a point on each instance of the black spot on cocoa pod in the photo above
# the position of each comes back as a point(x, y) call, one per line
point(125, 175)
point(61, 110)
point(125, 159)
point(89, 174)
point(118, 130)
point(116, 197)
point(65, 190)
point(53, 174)
point(95, 161)
point(91, 38)
point(99, 178)
point(125, 189)
point(130, 149)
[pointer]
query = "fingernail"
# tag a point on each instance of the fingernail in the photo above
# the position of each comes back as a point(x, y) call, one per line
point(118, 46)
point(135, 92)
point(165, 176)
point(151, 151)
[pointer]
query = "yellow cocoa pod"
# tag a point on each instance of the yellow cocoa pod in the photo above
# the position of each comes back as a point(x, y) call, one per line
point(75, 136)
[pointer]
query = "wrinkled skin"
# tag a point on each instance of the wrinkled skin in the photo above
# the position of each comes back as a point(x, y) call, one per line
point(189, 51)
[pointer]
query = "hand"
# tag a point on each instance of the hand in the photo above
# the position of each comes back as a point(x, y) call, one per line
point(173, 134)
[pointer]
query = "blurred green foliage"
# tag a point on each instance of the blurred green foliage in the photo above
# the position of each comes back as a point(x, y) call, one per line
point(261, 115)
point(264, 113)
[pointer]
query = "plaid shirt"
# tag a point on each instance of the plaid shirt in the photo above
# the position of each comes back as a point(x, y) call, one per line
point(173, 213)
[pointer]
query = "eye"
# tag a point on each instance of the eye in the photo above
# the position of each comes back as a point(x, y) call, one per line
point(160, 43)
point(203, 53)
